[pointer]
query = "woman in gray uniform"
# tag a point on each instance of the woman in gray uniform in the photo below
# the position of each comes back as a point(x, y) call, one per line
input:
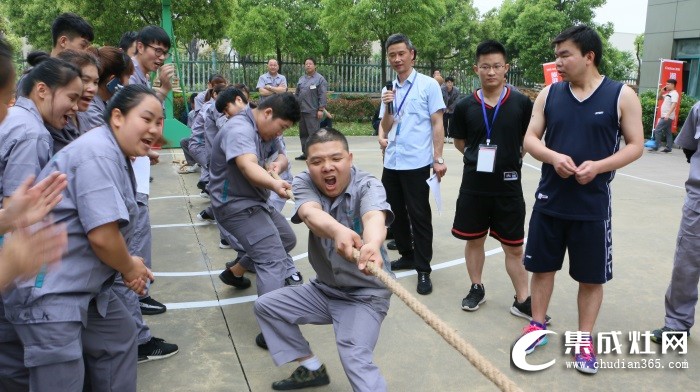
point(69, 310)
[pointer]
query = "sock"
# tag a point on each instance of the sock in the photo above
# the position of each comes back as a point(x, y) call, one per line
point(312, 363)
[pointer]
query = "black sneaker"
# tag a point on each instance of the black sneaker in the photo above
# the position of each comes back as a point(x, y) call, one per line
point(202, 185)
point(303, 378)
point(301, 157)
point(294, 279)
point(156, 349)
point(260, 341)
point(239, 282)
point(392, 245)
point(203, 216)
point(666, 150)
point(476, 297)
point(657, 334)
point(223, 244)
point(524, 309)
point(150, 306)
point(403, 263)
point(425, 286)
point(653, 149)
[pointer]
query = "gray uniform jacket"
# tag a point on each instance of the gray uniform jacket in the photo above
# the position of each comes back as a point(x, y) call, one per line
point(689, 138)
point(311, 92)
point(25, 145)
point(364, 193)
point(101, 190)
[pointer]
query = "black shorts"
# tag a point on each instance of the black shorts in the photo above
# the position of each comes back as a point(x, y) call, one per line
point(502, 217)
point(589, 244)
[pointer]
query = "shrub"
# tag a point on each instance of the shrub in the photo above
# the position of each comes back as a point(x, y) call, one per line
point(352, 108)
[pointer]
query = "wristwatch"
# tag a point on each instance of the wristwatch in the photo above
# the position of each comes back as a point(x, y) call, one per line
point(439, 160)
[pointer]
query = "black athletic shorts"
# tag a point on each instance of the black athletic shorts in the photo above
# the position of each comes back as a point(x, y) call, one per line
point(589, 244)
point(502, 217)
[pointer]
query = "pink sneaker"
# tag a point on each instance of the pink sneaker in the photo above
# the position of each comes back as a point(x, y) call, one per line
point(535, 326)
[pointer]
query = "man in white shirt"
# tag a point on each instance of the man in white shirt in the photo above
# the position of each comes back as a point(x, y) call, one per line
point(668, 114)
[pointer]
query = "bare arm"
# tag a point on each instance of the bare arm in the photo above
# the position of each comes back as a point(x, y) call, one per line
point(532, 142)
point(109, 246)
point(256, 175)
point(324, 225)
point(438, 142)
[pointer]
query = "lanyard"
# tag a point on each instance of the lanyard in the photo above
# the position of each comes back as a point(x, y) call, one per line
point(495, 113)
point(398, 111)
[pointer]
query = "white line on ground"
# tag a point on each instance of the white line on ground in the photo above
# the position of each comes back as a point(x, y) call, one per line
point(205, 273)
point(183, 225)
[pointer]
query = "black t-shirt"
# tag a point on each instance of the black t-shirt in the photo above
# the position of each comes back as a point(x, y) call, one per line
point(506, 133)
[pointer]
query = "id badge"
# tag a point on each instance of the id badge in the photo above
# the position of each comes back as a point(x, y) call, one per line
point(486, 159)
point(312, 87)
point(394, 130)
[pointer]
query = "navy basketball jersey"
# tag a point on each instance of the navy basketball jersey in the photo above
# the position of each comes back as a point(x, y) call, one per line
point(584, 130)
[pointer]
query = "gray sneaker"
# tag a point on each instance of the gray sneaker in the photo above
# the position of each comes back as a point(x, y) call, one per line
point(524, 309)
point(303, 378)
point(476, 297)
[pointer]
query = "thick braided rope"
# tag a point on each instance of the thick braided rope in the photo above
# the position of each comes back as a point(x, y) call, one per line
point(467, 350)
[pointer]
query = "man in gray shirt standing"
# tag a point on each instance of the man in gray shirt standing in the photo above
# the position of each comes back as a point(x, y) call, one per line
point(271, 82)
point(311, 93)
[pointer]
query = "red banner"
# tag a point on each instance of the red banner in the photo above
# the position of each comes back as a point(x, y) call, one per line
point(550, 73)
point(670, 69)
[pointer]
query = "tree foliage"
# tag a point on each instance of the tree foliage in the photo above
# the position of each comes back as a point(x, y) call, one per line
point(201, 19)
point(276, 27)
point(454, 35)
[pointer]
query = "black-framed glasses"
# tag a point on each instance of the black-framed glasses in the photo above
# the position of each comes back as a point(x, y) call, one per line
point(159, 51)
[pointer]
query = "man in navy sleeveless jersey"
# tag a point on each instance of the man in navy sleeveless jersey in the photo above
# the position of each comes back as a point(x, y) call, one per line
point(584, 117)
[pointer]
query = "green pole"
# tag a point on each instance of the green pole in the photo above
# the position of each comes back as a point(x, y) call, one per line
point(173, 130)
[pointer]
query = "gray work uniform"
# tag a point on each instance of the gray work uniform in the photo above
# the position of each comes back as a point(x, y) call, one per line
point(25, 148)
point(242, 209)
point(63, 137)
point(196, 146)
point(74, 323)
point(354, 303)
point(268, 80)
point(212, 119)
point(199, 101)
point(682, 293)
point(93, 117)
point(311, 93)
point(275, 200)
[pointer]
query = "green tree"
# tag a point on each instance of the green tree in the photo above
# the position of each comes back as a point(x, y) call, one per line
point(277, 27)
point(638, 54)
point(454, 35)
point(32, 19)
point(351, 21)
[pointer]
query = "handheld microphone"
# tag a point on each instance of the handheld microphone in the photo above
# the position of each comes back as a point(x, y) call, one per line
point(390, 105)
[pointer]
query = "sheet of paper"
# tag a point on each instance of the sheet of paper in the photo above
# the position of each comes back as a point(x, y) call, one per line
point(434, 185)
point(142, 172)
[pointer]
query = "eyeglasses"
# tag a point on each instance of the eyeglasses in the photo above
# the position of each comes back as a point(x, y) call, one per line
point(488, 68)
point(159, 51)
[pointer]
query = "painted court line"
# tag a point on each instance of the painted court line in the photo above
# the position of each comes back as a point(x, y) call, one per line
point(205, 273)
point(183, 225)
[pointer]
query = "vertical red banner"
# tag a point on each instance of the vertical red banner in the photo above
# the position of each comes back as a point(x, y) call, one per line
point(550, 73)
point(670, 69)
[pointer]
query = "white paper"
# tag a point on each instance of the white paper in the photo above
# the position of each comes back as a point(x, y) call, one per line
point(486, 159)
point(142, 172)
point(434, 185)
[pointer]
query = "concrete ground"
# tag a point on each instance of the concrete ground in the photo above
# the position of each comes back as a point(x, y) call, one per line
point(215, 328)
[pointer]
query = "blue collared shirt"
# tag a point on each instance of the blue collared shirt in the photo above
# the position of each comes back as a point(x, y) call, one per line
point(412, 146)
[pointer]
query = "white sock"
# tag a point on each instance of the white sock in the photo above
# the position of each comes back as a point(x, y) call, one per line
point(312, 363)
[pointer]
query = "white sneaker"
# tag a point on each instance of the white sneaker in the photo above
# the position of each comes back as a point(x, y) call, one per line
point(186, 169)
point(223, 244)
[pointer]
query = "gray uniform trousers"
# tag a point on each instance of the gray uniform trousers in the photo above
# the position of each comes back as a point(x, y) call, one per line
point(131, 302)
point(14, 376)
point(356, 321)
point(682, 293)
point(184, 144)
point(105, 349)
point(267, 239)
point(141, 241)
point(198, 153)
point(308, 125)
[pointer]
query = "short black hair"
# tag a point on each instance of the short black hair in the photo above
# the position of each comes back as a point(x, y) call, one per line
point(672, 81)
point(490, 47)
point(153, 35)
point(229, 96)
point(399, 38)
point(71, 25)
point(127, 40)
point(586, 40)
point(6, 63)
point(217, 78)
point(284, 106)
point(325, 135)
point(313, 60)
point(449, 79)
